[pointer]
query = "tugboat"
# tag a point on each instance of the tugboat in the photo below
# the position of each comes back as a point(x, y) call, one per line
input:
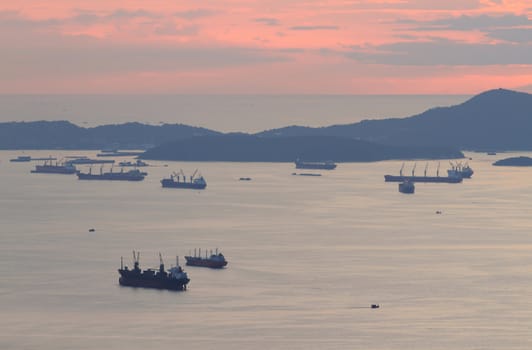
point(131, 175)
point(406, 187)
point(328, 165)
point(175, 181)
point(57, 168)
point(215, 261)
point(173, 279)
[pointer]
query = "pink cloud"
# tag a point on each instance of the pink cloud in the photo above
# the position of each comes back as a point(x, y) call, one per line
point(253, 46)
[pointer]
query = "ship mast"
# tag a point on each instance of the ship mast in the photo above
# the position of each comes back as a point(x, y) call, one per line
point(161, 264)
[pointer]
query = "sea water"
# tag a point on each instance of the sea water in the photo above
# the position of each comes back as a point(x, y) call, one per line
point(307, 257)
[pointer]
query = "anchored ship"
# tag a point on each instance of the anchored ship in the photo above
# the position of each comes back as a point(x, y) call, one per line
point(21, 159)
point(131, 175)
point(173, 279)
point(215, 261)
point(138, 163)
point(424, 178)
point(85, 160)
point(327, 165)
point(180, 181)
point(57, 168)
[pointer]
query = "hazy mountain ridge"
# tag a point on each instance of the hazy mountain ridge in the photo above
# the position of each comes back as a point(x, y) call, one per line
point(496, 119)
point(65, 135)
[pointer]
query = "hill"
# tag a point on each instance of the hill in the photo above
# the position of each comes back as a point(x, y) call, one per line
point(249, 148)
point(514, 161)
point(496, 119)
point(65, 135)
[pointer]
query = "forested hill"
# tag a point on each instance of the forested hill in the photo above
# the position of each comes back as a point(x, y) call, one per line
point(496, 119)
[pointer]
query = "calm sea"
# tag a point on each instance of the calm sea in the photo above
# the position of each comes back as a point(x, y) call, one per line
point(307, 257)
point(247, 113)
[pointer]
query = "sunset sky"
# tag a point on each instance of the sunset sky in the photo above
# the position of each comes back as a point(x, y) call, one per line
point(265, 47)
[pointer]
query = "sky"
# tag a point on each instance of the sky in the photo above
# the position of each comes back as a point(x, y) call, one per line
point(265, 47)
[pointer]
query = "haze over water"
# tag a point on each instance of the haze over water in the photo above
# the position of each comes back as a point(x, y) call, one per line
point(247, 113)
point(307, 256)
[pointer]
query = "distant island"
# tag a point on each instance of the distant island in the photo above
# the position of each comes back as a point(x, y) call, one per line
point(252, 148)
point(493, 120)
point(514, 161)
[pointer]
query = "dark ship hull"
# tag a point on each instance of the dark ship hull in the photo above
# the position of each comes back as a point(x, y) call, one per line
point(91, 161)
point(202, 262)
point(127, 176)
point(155, 282)
point(54, 169)
point(436, 179)
point(170, 183)
point(315, 165)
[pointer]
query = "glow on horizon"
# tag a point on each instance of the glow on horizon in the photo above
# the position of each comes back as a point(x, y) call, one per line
point(275, 47)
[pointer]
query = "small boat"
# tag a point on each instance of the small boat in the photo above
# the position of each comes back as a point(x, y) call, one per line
point(245, 179)
point(138, 163)
point(115, 153)
point(180, 181)
point(215, 261)
point(327, 165)
point(406, 187)
point(305, 174)
point(21, 159)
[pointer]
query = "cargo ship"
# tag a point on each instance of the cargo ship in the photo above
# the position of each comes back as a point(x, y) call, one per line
point(214, 261)
point(57, 168)
point(327, 165)
point(180, 181)
point(413, 178)
point(173, 279)
point(131, 175)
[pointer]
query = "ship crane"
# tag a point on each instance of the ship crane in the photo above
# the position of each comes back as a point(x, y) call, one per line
point(401, 171)
point(161, 264)
point(426, 167)
point(414, 169)
point(438, 170)
point(192, 177)
point(182, 173)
